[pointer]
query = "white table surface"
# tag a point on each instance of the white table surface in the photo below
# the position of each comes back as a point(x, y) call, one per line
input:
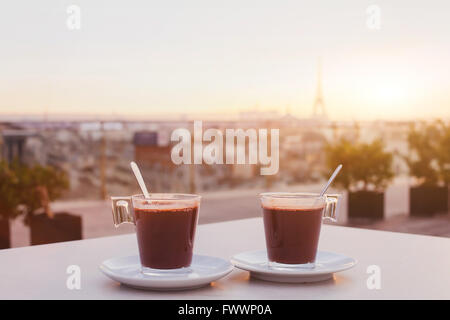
point(412, 267)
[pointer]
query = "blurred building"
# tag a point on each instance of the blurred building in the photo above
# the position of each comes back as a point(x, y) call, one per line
point(154, 158)
point(147, 151)
point(13, 140)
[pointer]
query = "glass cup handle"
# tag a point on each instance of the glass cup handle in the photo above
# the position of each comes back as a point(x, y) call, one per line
point(331, 208)
point(122, 210)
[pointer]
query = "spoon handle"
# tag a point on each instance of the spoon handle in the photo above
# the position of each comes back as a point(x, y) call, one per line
point(335, 173)
point(139, 179)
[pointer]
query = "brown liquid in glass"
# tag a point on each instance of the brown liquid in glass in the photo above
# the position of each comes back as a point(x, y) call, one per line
point(292, 235)
point(166, 236)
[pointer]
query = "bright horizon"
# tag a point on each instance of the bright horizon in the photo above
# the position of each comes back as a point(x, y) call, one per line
point(148, 58)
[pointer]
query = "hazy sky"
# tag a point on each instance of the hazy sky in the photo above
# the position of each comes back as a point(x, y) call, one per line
point(179, 57)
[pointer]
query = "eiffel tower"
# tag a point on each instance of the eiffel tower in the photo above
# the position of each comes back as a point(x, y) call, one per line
point(319, 104)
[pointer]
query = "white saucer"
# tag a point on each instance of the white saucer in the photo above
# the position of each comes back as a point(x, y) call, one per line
point(327, 263)
point(203, 270)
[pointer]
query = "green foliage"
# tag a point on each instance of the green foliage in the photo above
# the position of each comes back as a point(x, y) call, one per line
point(9, 184)
point(430, 158)
point(19, 185)
point(366, 166)
point(443, 155)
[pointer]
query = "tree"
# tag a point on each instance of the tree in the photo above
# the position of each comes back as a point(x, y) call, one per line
point(366, 166)
point(9, 187)
point(37, 186)
point(430, 158)
point(340, 153)
point(443, 154)
point(24, 190)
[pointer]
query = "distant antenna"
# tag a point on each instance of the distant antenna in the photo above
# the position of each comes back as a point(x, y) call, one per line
point(45, 116)
point(103, 192)
point(319, 104)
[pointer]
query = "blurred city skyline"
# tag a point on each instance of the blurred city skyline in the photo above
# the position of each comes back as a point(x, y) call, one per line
point(143, 59)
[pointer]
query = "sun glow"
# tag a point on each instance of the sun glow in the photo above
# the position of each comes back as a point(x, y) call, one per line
point(381, 88)
point(389, 92)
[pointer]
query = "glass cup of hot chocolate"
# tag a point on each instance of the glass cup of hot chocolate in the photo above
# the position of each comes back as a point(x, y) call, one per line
point(292, 223)
point(165, 228)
